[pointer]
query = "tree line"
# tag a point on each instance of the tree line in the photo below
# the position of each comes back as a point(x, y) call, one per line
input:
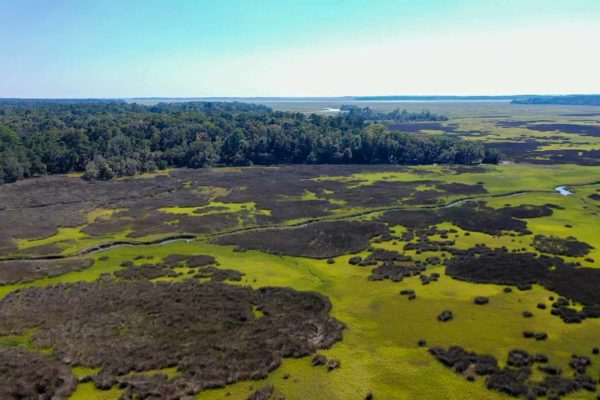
point(368, 114)
point(108, 139)
point(573, 100)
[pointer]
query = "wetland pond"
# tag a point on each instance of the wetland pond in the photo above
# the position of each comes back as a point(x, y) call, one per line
point(563, 190)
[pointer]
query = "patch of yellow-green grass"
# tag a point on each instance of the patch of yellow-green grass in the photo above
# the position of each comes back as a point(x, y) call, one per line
point(88, 391)
point(70, 247)
point(153, 174)
point(257, 313)
point(71, 239)
point(191, 211)
point(170, 373)
point(498, 179)
point(424, 187)
point(574, 218)
point(466, 239)
point(379, 350)
point(87, 275)
point(101, 213)
point(216, 207)
point(24, 341)
point(584, 145)
point(309, 195)
point(63, 234)
point(81, 372)
point(432, 132)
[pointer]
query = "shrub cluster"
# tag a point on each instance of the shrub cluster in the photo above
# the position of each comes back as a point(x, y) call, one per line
point(28, 375)
point(207, 330)
point(515, 378)
point(484, 265)
point(316, 240)
point(569, 246)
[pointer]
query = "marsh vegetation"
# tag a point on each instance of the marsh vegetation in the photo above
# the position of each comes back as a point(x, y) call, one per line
point(309, 281)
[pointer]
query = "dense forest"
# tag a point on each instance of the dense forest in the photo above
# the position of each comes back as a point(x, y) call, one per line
point(107, 139)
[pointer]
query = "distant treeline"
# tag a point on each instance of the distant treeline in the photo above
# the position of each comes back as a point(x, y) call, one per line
point(435, 98)
point(107, 139)
point(368, 114)
point(573, 100)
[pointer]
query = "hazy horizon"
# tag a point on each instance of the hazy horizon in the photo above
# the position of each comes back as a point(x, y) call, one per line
point(350, 98)
point(284, 48)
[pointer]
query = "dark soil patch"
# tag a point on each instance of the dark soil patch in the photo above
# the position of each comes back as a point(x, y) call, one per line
point(208, 331)
point(316, 240)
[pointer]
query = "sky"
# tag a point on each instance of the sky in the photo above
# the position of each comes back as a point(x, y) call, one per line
point(200, 48)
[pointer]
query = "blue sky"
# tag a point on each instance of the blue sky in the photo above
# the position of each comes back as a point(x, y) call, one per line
point(129, 48)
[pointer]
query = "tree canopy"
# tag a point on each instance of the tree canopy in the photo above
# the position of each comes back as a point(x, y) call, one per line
point(107, 139)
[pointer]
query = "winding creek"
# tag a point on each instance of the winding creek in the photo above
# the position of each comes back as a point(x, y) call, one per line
point(562, 190)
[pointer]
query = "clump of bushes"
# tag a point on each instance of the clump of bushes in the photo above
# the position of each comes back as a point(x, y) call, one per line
point(318, 359)
point(515, 378)
point(569, 246)
point(445, 316)
point(333, 364)
point(481, 300)
point(28, 375)
point(484, 265)
point(395, 272)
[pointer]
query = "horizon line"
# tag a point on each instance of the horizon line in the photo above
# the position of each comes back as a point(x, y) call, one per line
point(348, 97)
